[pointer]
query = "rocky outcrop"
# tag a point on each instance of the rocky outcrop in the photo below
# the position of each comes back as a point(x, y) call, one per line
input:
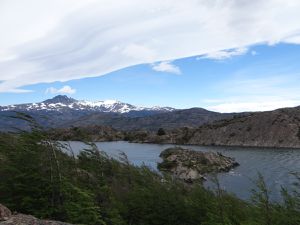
point(7, 218)
point(191, 165)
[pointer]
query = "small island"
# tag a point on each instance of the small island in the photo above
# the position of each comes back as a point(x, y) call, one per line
point(191, 166)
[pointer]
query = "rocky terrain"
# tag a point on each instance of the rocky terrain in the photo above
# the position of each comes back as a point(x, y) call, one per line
point(7, 218)
point(191, 165)
point(279, 128)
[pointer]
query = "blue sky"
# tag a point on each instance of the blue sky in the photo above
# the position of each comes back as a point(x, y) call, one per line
point(226, 56)
point(264, 75)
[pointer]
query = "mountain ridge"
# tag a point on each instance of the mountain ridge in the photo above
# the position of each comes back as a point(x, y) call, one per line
point(63, 102)
point(192, 117)
point(62, 112)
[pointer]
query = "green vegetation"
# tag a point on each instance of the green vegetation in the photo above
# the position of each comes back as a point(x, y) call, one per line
point(161, 132)
point(40, 179)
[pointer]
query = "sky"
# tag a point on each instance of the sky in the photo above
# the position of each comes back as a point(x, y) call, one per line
point(222, 55)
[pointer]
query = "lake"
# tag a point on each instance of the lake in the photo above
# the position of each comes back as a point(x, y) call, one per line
point(274, 164)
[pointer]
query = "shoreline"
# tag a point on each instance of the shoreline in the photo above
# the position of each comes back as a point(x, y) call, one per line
point(170, 143)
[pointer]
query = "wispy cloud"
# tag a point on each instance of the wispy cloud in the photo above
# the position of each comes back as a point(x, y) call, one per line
point(166, 66)
point(18, 91)
point(47, 41)
point(253, 106)
point(64, 90)
point(224, 54)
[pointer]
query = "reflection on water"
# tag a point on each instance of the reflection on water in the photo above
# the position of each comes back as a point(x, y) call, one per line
point(274, 164)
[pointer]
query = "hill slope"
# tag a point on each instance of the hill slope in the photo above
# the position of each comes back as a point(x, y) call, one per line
point(278, 128)
point(178, 118)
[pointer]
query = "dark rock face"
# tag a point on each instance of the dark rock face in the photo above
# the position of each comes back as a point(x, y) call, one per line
point(191, 165)
point(6, 218)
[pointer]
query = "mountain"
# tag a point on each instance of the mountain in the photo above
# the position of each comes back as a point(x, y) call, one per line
point(64, 103)
point(277, 128)
point(63, 112)
point(61, 109)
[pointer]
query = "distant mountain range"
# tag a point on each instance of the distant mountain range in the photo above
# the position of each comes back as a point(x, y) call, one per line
point(114, 120)
point(62, 111)
point(63, 103)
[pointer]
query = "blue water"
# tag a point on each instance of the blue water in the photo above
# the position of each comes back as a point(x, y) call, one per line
point(274, 164)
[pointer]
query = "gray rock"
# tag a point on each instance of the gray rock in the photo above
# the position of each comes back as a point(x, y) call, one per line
point(6, 218)
point(5, 213)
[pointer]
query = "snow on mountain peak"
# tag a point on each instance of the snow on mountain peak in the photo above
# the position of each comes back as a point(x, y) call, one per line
point(63, 102)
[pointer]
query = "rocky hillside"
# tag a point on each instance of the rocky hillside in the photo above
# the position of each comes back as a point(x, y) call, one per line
point(278, 128)
point(7, 218)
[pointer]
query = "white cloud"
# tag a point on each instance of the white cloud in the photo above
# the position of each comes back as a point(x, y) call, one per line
point(166, 66)
point(54, 40)
point(256, 94)
point(224, 54)
point(252, 106)
point(64, 90)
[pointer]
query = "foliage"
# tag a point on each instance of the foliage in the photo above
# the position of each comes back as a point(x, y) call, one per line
point(161, 132)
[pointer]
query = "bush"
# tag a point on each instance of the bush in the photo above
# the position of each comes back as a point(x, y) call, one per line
point(161, 132)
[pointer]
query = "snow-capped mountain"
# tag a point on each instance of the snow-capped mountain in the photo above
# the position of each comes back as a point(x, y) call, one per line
point(63, 103)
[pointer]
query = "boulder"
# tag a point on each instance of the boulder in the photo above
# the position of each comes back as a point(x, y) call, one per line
point(5, 213)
